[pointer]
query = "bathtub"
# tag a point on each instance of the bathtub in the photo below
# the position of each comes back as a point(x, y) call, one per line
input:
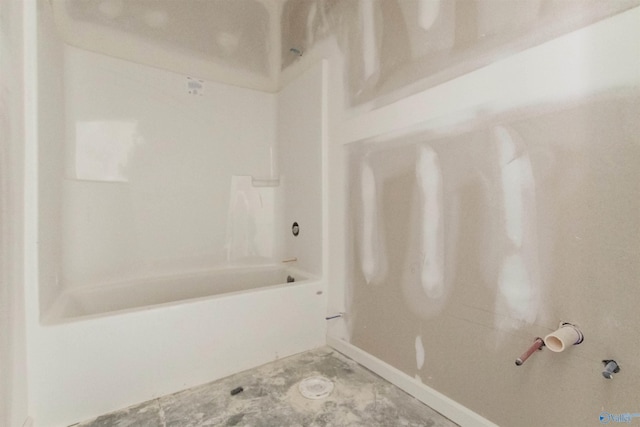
point(104, 348)
point(156, 292)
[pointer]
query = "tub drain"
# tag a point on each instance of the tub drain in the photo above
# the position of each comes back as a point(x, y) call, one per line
point(315, 387)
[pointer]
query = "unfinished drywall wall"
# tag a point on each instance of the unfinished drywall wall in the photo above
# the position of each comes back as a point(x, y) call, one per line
point(13, 368)
point(486, 240)
point(6, 343)
point(394, 48)
point(477, 231)
point(388, 48)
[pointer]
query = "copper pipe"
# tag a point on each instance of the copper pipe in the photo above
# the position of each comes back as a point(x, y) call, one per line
point(537, 345)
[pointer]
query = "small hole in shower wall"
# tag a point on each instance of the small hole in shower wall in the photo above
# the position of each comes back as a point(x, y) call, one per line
point(295, 229)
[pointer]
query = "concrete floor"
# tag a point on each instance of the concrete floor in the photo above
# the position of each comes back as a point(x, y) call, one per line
point(271, 399)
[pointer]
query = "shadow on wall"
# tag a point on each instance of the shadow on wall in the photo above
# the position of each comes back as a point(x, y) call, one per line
point(391, 44)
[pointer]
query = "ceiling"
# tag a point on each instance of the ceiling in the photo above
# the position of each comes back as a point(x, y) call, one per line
point(385, 44)
point(235, 40)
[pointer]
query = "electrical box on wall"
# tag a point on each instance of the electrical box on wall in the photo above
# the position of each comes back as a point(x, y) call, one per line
point(195, 86)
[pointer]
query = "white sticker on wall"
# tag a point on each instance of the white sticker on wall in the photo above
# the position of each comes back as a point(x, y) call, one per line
point(195, 86)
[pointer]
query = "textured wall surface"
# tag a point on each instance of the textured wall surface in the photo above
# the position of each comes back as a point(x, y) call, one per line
point(466, 248)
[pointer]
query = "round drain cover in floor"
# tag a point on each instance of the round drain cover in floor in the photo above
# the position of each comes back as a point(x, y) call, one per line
point(315, 387)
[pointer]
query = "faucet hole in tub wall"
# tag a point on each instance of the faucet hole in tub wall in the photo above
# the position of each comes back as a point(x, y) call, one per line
point(295, 229)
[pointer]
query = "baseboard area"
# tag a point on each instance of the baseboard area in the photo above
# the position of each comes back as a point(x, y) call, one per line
point(430, 397)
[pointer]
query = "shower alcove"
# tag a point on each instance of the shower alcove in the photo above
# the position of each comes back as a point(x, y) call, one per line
point(165, 204)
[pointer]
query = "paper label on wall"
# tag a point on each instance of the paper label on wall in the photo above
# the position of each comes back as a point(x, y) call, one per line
point(195, 86)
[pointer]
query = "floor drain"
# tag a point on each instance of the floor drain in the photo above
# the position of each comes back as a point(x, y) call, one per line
point(315, 387)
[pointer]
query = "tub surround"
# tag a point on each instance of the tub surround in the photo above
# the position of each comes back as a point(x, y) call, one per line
point(145, 179)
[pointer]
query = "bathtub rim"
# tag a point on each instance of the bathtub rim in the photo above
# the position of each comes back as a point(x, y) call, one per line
point(54, 315)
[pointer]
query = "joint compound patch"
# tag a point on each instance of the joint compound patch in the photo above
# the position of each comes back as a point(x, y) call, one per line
point(419, 352)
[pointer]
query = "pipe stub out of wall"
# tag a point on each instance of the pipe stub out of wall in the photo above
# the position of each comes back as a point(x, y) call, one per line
point(565, 336)
point(610, 367)
point(538, 343)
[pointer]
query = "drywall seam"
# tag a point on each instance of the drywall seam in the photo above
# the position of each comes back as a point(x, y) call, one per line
point(370, 242)
point(275, 16)
point(370, 53)
point(548, 73)
point(437, 401)
point(429, 180)
point(519, 291)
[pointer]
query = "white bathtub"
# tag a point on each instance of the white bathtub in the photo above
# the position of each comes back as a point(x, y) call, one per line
point(143, 294)
point(109, 347)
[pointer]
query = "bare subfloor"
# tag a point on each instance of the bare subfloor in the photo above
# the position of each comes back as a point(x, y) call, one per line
point(271, 398)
